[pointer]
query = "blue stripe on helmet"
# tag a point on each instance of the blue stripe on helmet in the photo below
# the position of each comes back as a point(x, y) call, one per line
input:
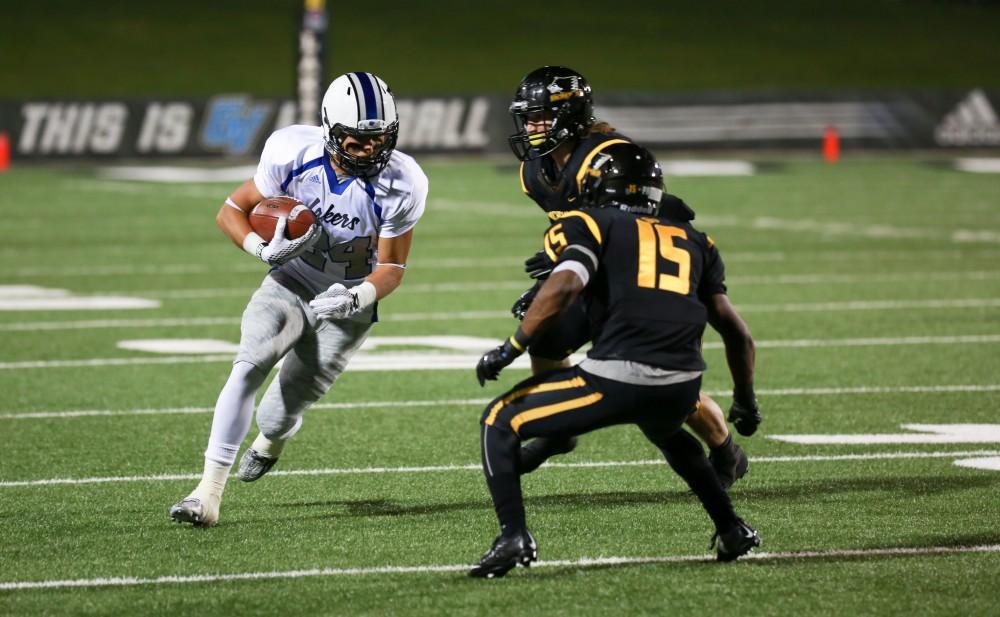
point(371, 107)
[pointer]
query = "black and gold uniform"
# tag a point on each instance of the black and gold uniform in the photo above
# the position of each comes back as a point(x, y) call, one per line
point(652, 308)
point(646, 277)
point(648, 281)
point(557, 189)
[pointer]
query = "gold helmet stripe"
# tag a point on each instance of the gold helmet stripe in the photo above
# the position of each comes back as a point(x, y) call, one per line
point(586, 161)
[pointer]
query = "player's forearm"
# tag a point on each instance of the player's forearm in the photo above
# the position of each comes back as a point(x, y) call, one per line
point(234, 223)
point(741, 357)
point(556, 294)
point(740, 349)
point(386, 278)
point(736, 337)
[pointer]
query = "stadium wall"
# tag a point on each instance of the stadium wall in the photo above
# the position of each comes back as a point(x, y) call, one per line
point(236, 125)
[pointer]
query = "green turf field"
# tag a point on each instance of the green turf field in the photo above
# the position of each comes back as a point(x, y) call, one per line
point(872, 288)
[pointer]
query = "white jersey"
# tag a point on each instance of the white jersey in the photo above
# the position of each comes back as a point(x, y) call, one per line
point(353, 212)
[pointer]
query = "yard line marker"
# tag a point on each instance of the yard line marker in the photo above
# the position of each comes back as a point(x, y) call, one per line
point(869, 305)
point(88, 324)
point(200, 410)
point(582, 562)
point(513, 261)
point(201, 293)
point(461, 359)
point(794, 307)
point(83, 413)
point(341, 471)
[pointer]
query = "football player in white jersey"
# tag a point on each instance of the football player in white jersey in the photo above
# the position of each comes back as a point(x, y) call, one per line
point(317, 303)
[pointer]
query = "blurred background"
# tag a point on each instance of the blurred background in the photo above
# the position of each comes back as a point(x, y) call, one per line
point(122, 80)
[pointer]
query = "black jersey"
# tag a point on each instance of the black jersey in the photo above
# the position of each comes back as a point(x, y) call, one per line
point(555, 190)
point(650, 279)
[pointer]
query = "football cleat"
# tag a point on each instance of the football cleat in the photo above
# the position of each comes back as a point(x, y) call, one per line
point(540, 449)
point(735, 542)
point(196, 511)
point(253, 465)
point(730, 465)
point(505, 554)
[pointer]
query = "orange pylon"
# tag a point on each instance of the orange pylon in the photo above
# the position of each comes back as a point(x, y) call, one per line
point(831, 144)
point(4, 151)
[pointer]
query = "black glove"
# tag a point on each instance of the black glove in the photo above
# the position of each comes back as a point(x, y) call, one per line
point(494, 361)
point(539, 265)
point(744, 414)
point(520, 308)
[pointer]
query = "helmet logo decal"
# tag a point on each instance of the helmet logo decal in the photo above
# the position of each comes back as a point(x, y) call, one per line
point(562, 84)
point(563, 88)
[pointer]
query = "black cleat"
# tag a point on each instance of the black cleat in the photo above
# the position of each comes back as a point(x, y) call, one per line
point(505, 554)
point(746, 419)
point(540, 449)
point(735, 542)
point(730, 465)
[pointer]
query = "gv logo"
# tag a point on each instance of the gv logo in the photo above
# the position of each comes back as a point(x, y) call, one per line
point(232, 124)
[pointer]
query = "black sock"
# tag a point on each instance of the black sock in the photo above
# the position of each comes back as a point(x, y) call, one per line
point(725, 446)
point(686, 457)
point(500, 452)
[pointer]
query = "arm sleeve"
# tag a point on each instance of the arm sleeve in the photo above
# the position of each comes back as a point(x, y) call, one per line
point(713, 278)
point(403, 218)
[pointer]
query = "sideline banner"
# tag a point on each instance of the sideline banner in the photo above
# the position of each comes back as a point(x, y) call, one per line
point(224, 126)
point(235, 125)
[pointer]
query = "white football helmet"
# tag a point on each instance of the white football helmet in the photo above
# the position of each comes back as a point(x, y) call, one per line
point(360, 105)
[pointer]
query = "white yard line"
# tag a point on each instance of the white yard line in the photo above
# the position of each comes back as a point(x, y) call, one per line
point(794, 307)
point(513, 261)
point(200, 293)
point(582, 562)
point(398, 361)
point(87, 413)
point(870, 305)
point(343, 471)
point(89, 324)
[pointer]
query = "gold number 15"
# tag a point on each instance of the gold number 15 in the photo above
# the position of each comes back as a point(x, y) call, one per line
point(649, 232)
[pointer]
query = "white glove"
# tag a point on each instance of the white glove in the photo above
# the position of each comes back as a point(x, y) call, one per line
point(339, 302)
point(280, 249)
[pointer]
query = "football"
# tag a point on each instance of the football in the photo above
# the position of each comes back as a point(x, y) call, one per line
point(264, 217)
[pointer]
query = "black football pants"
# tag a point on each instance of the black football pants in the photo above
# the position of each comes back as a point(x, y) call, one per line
point(571, 402)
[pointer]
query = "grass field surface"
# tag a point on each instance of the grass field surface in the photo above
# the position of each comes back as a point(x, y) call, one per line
point(872, 288)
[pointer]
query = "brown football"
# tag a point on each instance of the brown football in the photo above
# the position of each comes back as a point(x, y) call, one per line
point(264, 217)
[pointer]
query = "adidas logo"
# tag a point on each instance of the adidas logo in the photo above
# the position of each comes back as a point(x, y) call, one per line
point(314, 178)
point(973, 122)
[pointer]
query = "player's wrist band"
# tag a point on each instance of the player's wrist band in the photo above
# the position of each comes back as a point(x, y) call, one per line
point(366, 295)
point(254, 244)
point(520, 341)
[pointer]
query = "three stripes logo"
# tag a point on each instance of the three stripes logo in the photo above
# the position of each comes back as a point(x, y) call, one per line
point(973, 122)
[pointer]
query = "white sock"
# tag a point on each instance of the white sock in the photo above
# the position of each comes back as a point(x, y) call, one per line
point(213, 481)
point(267, 447)
point(233, 414)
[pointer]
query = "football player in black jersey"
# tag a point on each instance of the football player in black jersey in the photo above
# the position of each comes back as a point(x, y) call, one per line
point(650, 282)
point(556, 139)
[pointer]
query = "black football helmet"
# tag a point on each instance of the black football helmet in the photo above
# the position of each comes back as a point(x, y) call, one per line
point(552, 94)
point(624, 176)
